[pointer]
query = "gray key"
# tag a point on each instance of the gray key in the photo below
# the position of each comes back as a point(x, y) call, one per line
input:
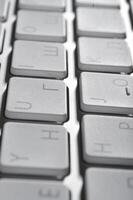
point(99, 3)
point(106, 93)
point(108, 184)
point(4, 6)
point(37, 99)
point(107, 140)
point(56, 5)
point(23, 189)
point(100, 23)
point(1, 37)
point(41, 59)
point(34, 149)
point(104, 55)
point(41, 26)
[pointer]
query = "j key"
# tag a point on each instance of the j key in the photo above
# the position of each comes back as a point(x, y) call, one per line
point(104, 55)
point(41, 26)
point(56, 5)
point(106, 23)
point(108, 184)
point(107, 140)
point(99, 3)
point(37, 99)
point(24, 189)
point(1, 37)
point(106, 93)
point(41, 59)
point(34, 149)
point(4, 5)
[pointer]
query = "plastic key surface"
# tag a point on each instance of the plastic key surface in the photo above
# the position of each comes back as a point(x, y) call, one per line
point(56, 5)
point(1, 37)
point(4, 6)
point(34, 149)
point(109, 184)
point(41, 26)
point(107, 140)
point(41, 59)
point(106, 93)
point(104, 55)
point(37, 99)
point(99, 3)
point(24, 189)
point(106, 23)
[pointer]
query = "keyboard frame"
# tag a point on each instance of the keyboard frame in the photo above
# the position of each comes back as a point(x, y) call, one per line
point(74, 181)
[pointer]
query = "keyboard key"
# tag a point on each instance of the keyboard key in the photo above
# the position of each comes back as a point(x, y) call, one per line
point(106, 93)
point(109, 184)
point(100, 23)
point(56, 5)
point(41, 59)
point(41, 26)
point(32, 189)
point(104, 55)
point(37, 99)
point(97, 3)
point(34, 149)
point(107, 140)
point(4, 6)
point(1, 37)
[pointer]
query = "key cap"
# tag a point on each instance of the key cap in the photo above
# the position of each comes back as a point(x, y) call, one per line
point(111, 184)
point(104, 55)
point(56, 5)
point(34, 149)
point(37, 99)
point(106, 93)
point(41, 59)
point(1, 37)
point(99, 3)
point(32, 189)
point(4, 6)
point(41, 26)
point(100, 23)
point(107, 140)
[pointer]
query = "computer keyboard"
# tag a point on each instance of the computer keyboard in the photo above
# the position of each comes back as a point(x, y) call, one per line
point(66, 99)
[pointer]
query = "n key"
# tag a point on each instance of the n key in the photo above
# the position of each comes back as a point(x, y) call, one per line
point(35, 190)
